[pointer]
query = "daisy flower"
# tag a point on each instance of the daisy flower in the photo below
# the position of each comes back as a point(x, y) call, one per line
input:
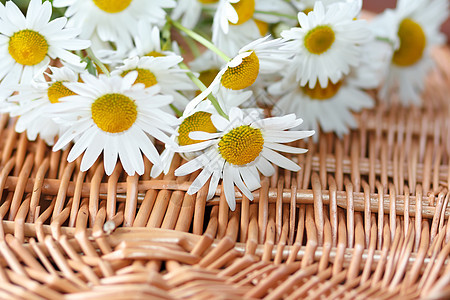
point(328, 42)
point(331, 107)
point(197, 120)
point(243, 146)
point(147, 42)
point(259, 57)
point(113, 20)
point(328, 107)
point(163, 71)
point(112, 115)
point(28, 43)
point(33, 101)
point(237, 23)
point(414, 28)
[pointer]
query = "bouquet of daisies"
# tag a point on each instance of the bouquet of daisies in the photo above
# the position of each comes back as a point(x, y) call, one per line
point(227, 84)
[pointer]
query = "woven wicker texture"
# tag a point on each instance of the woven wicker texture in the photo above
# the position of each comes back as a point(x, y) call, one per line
point(366, 217)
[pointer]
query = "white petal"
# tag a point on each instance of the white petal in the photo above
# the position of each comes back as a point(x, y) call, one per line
point(280, 160)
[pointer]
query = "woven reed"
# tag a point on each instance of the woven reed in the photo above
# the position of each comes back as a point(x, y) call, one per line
point(366, 217)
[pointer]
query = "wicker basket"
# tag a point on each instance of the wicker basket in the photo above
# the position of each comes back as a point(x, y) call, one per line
point(366, 217)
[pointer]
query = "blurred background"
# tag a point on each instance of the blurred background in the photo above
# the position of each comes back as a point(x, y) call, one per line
point(371, 5)
point(379, 5)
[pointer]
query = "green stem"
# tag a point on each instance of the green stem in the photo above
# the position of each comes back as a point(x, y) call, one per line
point(92, 56)
point(273, 13)
point(202, 87)
point(178, 112)
point(200, 39)
point(386, 40)
point(192, 46)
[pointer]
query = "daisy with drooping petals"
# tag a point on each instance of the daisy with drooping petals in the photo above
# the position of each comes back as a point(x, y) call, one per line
point(114, 116)
point(261, 56)
point(243, 145)
point(28, 43)
point(414, 28)
point(198, 120)
point(33, 101)
point(327, 44)
point(331, 107)
point(163, 71)
point(114, 20)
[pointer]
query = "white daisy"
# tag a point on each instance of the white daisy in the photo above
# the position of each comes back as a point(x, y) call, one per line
point(331, 107)
point(113, 20)
point(28, 43)
point(259, 57)
point(242, 146)
point(414, 28)
point(33, 101)
point(327, 44)
point(147, 42)
point(114, 116)
point(197, 120)
point(163, 71)
point(237, 23)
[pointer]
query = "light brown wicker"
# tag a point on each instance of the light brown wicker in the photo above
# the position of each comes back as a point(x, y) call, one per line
point(366, 217)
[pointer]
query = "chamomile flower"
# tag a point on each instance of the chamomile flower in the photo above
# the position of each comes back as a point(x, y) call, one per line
point(34, 100)
point(414, 28)
point(328, 43)
point(113, 20)
point(147, 42)
point(114, 116)
point(198, 120)
point(243, 146)
point(331, 107)
point(28, 43)
point(237, 23)
point(163, 71)
point(189, 11)
point(259, 57)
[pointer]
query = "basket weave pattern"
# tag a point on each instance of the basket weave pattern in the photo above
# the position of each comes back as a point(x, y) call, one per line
point(366, 216)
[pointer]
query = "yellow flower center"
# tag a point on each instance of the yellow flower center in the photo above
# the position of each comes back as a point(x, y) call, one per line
point(319, 93)
point(114, 113)
point(144, 76)
point(199, 121)
point(208, 76)
point(208, 1)
point(154, 54)
point(263, 27)
point(28, 47)
point(57, 90)
point(241, 145)
point(412, 43)
point(112, 6)
point(319, 39)
point(244, 10)
point(308, 10)
point(243, 75)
